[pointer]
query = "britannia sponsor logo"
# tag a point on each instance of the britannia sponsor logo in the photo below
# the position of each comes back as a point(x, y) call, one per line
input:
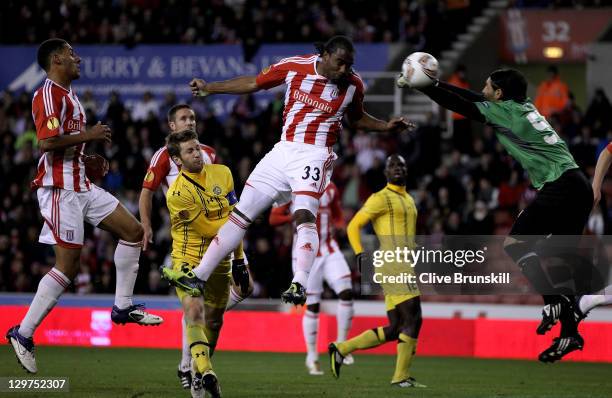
point(307, 99)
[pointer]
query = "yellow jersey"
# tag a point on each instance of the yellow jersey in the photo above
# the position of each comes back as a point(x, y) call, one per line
point(199, 204)
point(393, 215)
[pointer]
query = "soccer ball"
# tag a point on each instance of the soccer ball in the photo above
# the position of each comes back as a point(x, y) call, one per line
point(420, 69)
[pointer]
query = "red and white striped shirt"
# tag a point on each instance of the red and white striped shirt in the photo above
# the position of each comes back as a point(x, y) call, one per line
point(328, 217)
point(163, 171)
point(314, 105)
point(57, 111)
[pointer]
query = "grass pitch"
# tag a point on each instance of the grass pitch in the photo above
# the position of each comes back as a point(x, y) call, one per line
point(141, 373)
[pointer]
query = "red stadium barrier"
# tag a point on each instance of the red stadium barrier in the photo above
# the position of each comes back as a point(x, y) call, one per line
point(280, 332)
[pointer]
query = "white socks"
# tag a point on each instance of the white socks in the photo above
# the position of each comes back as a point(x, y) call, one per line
point(235, 298)
point(185, 364)
point(306, 248)
point(126, 265)
point(310, 327)
point(590, 301)
point(228, 238)
point(344, 316)
point(49, 290)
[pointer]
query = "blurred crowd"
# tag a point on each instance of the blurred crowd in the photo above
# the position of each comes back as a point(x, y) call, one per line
point(246, 22)
point(462, 184)
point(558, 3)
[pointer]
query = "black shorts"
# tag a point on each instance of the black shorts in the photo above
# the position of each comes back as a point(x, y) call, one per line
point(561, 207)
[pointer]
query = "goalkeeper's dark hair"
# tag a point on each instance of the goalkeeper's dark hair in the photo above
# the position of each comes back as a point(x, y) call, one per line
point(335, 43)
point(172, 111)
point(48, 48)
point(512, 84)
point(174, 141)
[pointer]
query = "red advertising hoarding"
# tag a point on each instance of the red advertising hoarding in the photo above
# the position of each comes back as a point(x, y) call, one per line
point(267, 331)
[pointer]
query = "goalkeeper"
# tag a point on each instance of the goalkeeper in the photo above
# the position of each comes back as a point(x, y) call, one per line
point(200, 201)
point(564, 198)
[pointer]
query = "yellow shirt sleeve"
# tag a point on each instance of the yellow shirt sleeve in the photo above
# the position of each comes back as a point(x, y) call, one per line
point(353, 230)
point(372, 208)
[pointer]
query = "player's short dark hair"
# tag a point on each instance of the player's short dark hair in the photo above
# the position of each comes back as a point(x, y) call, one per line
point(173, 141)
point(172, 111)
point(512, 83)
point(46, 49)
point(335, 43)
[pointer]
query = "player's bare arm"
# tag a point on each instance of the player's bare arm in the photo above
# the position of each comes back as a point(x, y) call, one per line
point(238, 85)
point(145, 206)
point(99, 132)
point(601, 169)
point(395, 125)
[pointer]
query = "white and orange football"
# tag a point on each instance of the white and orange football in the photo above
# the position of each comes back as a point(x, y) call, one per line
point(420, 69)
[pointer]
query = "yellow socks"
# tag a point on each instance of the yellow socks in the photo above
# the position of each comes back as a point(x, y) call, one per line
point(406, 347)
point(198, 344)
point(368, 339)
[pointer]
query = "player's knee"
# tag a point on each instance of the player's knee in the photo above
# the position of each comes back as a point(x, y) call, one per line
point(193, 315)
point(412, 324)
point(194, 311)
point(391, 332)
point(346, 295)
point(70, 270)
point(302, 216)
point(409, 326)
point(134, 232)
point(306, 208)
point(67, 262)
point(314, 308)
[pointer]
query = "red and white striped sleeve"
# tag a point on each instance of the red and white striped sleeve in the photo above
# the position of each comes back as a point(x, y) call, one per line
point(47, 107)
point(158, 170)
point(609, 147)
point(210, 152)
point(273, 75)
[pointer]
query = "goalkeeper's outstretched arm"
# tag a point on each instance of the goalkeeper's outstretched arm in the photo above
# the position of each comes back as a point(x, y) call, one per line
point(469, 95)
point(453, 101)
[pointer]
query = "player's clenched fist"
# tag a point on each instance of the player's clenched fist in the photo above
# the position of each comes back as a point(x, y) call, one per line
point(399, 124)
point(198, 88)
point(101, 132)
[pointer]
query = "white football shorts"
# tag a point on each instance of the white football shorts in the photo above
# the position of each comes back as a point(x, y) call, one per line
point(65, 213)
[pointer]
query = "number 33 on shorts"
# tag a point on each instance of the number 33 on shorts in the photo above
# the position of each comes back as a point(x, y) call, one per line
point(316, 173)
point(312, 175)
